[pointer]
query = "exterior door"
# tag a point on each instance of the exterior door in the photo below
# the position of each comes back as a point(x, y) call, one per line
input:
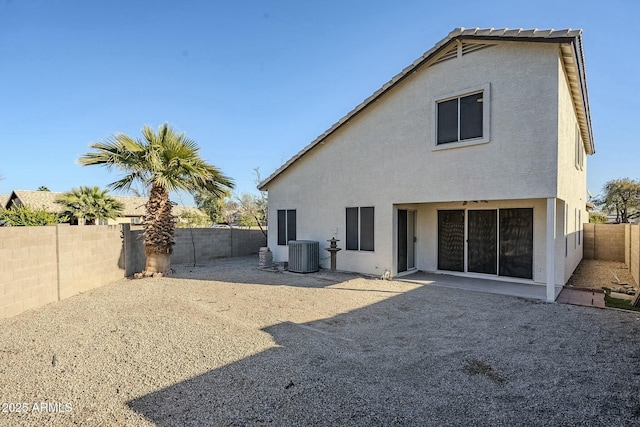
point(451, 240)
point(482, 241)
point(498, 241)
point(406, 239)
point(516, 243)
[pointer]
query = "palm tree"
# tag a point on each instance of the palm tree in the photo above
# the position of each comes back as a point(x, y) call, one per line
point(89, 204)
point(162, 162)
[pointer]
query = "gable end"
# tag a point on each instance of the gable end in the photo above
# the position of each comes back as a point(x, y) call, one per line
point(463, 41)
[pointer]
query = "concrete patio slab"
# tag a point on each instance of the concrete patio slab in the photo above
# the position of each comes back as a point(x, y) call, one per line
point(501, 287)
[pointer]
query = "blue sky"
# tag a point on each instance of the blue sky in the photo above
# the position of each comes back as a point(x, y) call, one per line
point(253, 82)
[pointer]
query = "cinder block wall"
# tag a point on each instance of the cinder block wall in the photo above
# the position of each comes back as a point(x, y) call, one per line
point(201, 244)
point(28, 268)
point(247, 242)
point(614, 242)
point(634, 252)
point(196, 245)
point(40, 265)
point(588, 247)
point(90, 257)
point(607, 241)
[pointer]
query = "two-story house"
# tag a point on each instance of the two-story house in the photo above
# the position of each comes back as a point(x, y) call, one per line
point(471, 161)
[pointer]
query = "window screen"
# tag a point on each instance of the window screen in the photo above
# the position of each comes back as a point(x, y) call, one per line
point(471, 116)
point(291, 225)
point(448, 121)
point(482, 241)
point(286, 226)
point(516, 243)
point(282, 227)
point(460, 118)
point(352, 229)
point(360, 232)
point(366, 229)
point(451, 240)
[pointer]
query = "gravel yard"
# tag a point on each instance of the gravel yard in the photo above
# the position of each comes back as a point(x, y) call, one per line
point(227, 344)
point(596, 274)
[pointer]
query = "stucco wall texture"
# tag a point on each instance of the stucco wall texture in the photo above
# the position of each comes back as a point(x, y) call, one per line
point(387, 157)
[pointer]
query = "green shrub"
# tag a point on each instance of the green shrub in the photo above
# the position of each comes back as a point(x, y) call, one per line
point(26, 216)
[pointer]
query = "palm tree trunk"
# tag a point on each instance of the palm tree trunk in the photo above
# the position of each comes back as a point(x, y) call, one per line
point(159, 228)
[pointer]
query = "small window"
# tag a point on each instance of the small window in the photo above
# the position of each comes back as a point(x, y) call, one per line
point(566, 230)
point(462, 118)
point(359, 229)
point(575, 235)
point(286, 226)
point(579, 150)
point(579, 227)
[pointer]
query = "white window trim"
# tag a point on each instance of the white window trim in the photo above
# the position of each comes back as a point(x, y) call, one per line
point(579, 150)
point(486, 117)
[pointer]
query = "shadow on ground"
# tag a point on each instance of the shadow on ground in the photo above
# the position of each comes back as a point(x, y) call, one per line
point(431, 356)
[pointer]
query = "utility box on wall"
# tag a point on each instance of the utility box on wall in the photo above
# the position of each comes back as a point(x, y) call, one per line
point(304, 256)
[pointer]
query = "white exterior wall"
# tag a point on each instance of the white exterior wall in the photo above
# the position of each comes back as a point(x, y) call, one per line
point(385, 156)
point(572, 182)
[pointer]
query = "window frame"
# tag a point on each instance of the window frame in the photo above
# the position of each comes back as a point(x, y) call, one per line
point(289, 226)
point(579, 149)
point(485, 89)
point(364, 234)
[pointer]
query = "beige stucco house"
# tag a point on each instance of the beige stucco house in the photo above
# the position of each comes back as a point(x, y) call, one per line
point(471, 161)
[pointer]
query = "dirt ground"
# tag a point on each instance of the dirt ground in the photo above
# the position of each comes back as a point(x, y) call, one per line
point(596, 274)
point(227, 344)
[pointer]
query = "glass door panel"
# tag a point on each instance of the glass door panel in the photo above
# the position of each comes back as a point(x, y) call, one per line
point(451, 240)
point(482, 241)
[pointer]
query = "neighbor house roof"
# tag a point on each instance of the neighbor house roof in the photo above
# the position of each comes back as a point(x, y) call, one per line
point(133, 206)
point(570, 42)
point(35, 199)
point(4, 198)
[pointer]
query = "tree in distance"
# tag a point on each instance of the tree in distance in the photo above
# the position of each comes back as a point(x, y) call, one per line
point(622, 197)
point(89, 204)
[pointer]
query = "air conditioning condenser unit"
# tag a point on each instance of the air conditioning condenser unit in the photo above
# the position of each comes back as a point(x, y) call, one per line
point(304, 256)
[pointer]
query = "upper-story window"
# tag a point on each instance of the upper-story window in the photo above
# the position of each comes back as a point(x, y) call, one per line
point(463, 119)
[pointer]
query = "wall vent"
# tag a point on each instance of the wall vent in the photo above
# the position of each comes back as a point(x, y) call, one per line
point(472, 47)
point(304, 256)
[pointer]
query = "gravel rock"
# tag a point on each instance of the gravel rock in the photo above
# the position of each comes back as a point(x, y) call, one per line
point(228, 344)
point(598, 274)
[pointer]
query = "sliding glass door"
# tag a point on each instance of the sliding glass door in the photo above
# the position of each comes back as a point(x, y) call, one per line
point(489, 241)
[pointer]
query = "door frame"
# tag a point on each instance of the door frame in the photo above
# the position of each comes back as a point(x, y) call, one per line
point(499, 256)
point(406, 229)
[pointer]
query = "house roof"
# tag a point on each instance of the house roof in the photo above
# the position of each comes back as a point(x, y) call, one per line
point(4, 198)
point(572, 54)
point(133, 206)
